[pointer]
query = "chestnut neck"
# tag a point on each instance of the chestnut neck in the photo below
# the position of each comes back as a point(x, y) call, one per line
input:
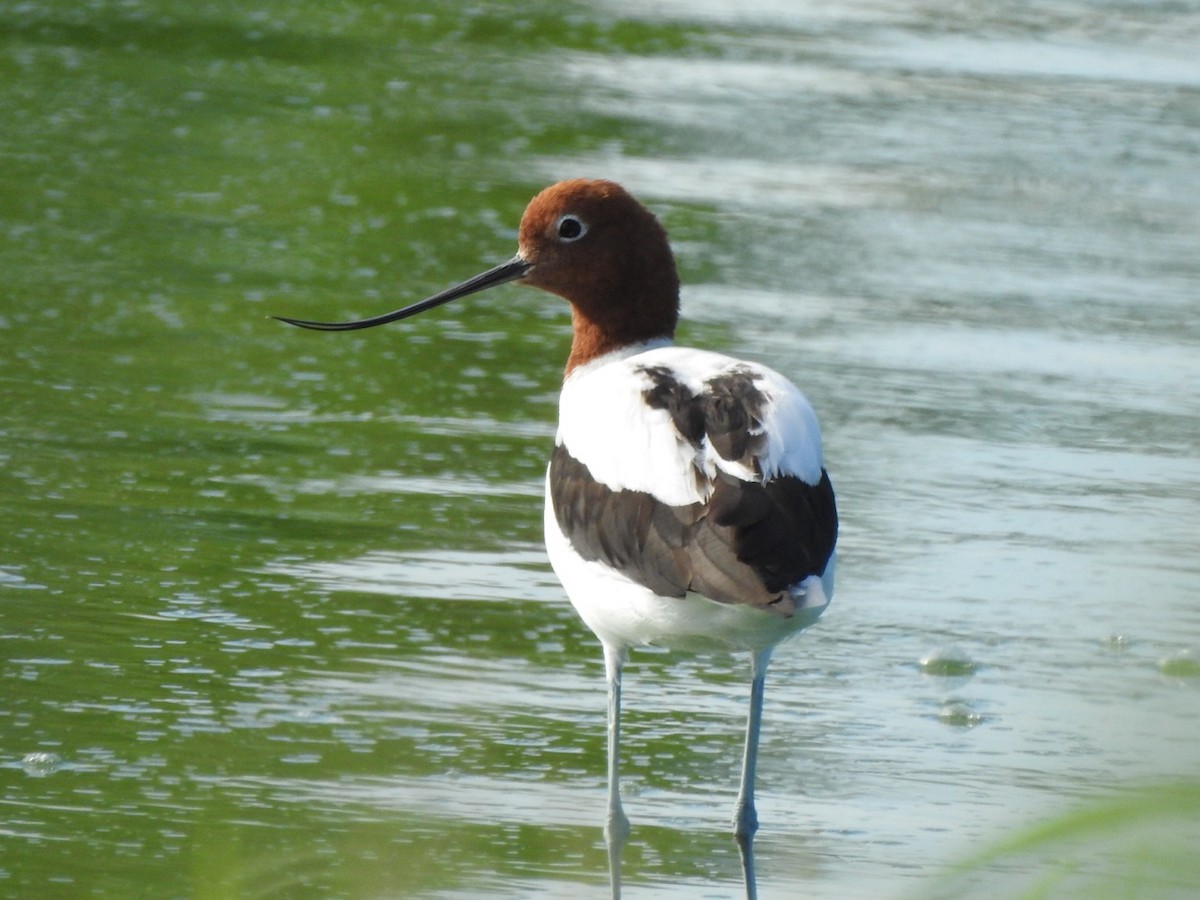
point(601, 326)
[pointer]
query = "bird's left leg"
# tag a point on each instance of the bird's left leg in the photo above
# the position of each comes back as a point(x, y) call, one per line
point(616, 825)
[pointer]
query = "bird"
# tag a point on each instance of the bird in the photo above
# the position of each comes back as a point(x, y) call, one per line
point(687, 501)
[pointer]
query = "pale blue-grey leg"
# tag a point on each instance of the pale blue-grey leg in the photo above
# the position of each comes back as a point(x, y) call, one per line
point(616, 825)
point(745, 818)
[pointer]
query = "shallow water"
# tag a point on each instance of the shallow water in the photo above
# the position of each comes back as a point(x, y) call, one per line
point(275, 619)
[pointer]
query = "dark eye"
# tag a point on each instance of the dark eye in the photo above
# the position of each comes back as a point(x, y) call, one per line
point(570, 228)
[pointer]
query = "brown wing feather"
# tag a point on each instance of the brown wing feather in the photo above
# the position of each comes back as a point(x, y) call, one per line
point(746, 546)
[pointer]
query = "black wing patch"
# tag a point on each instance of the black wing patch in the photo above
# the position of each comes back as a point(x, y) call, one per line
point(746, 545)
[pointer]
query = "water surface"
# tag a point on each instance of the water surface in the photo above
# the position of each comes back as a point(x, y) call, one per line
point(274, 615)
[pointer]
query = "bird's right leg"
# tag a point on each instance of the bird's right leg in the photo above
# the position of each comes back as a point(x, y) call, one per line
point(745, 818)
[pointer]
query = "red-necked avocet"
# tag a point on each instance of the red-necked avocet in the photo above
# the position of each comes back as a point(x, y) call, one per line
point(687, 503)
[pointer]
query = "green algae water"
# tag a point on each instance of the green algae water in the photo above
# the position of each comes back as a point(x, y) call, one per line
point(275, 620)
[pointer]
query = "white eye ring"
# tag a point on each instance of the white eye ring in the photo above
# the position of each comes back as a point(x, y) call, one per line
point(570, 228)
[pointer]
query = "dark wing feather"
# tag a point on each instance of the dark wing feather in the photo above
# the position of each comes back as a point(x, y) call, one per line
point(628, 530)
point(785, 529)
point(747, 545)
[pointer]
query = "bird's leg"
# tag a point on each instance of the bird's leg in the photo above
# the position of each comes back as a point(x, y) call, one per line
point(616, 825)
point(745, 818)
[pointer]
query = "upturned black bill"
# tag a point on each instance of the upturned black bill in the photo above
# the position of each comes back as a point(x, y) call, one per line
point(510, 271)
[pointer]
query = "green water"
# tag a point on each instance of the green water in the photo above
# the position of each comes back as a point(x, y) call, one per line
point(274, 615)
point(172, 174)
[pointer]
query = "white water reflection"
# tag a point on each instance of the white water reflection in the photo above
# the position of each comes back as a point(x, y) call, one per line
point(444, 575)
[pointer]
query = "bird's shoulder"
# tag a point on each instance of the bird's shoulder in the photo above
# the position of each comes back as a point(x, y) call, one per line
point(644, 421)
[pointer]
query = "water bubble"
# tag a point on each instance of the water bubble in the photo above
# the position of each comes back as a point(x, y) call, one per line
point(959, 714)
point(948, 662)
point(1117, 643)
point(1183, 664)
point(40, 764)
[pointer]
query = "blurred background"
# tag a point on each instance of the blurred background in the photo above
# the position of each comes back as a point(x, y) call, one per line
point(275, 618)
